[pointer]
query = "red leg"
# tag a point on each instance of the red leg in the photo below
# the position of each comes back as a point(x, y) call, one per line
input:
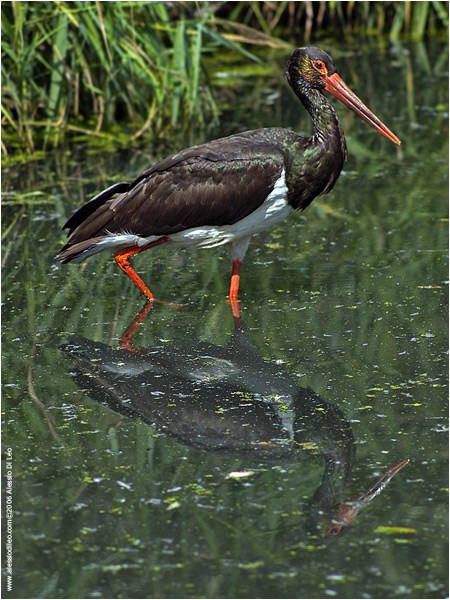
point(123, 260)
point(236, 314)
point(126, 341)
point(234, 285)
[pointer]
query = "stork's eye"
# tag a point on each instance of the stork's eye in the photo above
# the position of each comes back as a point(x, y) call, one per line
point(319, 65)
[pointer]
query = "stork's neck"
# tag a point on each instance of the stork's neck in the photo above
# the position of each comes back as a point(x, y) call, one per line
point(328, 132)
point(316, 162)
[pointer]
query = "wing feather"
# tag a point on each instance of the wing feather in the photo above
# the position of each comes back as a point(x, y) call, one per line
point(215, 184)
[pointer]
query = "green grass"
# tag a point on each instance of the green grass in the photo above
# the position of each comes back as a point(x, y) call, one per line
point(112, 72)
point(92, 67)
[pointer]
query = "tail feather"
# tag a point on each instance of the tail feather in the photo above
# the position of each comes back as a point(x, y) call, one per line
point(78, 252)
point(87, 223)
point(90, 207)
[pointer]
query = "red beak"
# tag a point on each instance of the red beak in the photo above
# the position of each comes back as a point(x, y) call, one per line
point(336, 86)
point(348, 511)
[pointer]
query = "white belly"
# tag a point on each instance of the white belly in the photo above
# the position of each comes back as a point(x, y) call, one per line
point(273, 210)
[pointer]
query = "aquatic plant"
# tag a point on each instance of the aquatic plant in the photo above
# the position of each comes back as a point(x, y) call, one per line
point(116, 70)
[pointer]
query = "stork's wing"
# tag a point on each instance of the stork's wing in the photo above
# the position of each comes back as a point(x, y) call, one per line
point(217, 183)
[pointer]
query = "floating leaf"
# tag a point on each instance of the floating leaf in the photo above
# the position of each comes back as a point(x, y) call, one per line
point(391, 530)
point(240, 474)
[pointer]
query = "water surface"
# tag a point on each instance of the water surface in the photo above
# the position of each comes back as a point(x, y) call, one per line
point(210, 457)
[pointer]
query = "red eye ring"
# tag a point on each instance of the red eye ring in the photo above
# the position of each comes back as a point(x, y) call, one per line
point(319, 66)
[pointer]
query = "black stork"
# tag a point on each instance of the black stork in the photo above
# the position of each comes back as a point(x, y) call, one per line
point(226, 190)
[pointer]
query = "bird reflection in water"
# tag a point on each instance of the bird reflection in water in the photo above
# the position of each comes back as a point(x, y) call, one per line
point(231, 402)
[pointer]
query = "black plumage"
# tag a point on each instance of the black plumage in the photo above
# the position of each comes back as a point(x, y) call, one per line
point(224, 182)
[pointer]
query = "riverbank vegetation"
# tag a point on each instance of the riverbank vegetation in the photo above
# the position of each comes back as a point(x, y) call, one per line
point(115, 71)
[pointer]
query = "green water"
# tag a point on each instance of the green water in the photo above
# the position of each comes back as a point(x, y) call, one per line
point(209, 461)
